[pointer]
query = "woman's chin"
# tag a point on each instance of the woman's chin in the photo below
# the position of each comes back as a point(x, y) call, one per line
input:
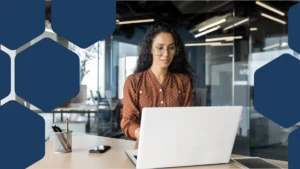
point(165, 66)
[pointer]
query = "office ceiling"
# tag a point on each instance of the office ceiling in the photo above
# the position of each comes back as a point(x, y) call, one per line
point(174, 12)
point(191, 14)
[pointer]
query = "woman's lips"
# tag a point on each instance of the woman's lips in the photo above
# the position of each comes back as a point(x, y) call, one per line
point(165, 61)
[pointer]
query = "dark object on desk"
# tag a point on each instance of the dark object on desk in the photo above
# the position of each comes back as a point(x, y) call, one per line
point(255, 163)
point(100, 149)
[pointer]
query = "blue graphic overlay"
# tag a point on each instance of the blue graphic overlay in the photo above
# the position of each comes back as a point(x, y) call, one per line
point(293, 149)
point(22, 140)
point(21, 22)
point(47, 75)
point(277, 91)
point(294, 27)
point(83, 22)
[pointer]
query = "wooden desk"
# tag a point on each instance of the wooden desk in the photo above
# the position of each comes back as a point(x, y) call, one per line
point(114, 158)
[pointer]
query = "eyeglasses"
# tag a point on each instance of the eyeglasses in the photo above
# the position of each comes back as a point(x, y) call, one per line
point(159, 50)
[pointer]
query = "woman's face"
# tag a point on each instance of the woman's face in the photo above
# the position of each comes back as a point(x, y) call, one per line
point(163, 50)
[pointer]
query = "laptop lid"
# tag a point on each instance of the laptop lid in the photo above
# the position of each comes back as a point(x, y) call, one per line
point(187, 136)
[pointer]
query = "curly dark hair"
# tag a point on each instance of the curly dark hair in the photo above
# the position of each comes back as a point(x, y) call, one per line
point(179, 63)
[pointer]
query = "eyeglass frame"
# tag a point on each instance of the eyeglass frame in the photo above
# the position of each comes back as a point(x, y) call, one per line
point(176, 50)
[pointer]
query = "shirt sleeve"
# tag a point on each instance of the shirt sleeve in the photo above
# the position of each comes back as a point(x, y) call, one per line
point(188, 98)
point(131, 115)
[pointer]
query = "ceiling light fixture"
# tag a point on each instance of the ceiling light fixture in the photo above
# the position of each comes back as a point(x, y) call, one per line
point(253, 29)
point(202, 44)
point(135, 21)
point(223, 44)
point(273, 18)
point(227, 38)
point(207, 31)
point(269, 8)
point(212, 25)
point(236, 24)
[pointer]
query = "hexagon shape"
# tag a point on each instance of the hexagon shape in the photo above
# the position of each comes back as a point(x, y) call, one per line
point(277, 91)
point(47, 75)
point(5, 69)
point(21, 22)
point(83, 23)
point(22, 129)
point(294, 27)
point(293, 149)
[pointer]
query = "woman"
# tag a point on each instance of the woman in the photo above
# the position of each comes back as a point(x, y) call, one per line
point(163, 78)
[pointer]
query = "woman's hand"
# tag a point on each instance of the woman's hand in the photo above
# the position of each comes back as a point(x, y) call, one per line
point(137, 133)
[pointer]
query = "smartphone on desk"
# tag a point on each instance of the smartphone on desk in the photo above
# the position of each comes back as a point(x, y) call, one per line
point(255, 163)
point(100, 149)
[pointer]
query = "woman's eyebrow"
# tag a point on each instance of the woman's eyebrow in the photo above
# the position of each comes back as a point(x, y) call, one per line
point(163, 44)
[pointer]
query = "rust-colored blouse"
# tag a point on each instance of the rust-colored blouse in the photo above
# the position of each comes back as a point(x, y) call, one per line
point(144, 90)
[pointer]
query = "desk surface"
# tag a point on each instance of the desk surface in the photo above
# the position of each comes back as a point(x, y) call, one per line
point(114, 158)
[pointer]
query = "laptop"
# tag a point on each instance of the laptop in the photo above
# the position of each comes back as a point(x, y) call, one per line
point(186, 136)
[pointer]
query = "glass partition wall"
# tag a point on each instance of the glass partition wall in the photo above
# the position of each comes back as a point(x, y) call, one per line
point(225, 56)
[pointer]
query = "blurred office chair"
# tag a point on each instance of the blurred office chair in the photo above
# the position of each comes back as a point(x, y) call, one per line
point(200, 99)
point(119, 116)
point(103, 102)
point(92, 97)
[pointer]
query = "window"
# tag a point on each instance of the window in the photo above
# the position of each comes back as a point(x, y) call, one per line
point(91, 68)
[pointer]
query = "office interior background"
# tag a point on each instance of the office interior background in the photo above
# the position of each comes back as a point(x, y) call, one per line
point(226, 42)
